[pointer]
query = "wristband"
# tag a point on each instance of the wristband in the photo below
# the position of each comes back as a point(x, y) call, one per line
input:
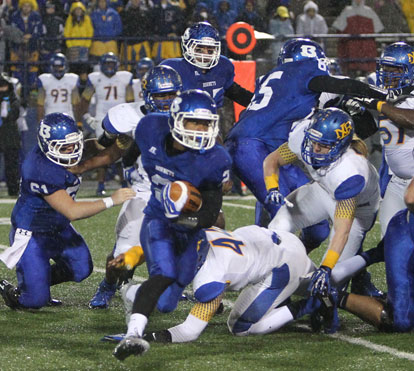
point(108, 201)
point(330, 259)
point(379, 105)
point(272, 181)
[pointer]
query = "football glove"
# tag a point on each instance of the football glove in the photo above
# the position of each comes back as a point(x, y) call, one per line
point(127, 172)
point(275, 197)
point(172, 209)
point(394, 94)
point(353, 107)
point(321, 281)
point(91, 121)
point(369, 103)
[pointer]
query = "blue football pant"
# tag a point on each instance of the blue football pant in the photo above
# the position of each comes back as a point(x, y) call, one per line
point(33, 269)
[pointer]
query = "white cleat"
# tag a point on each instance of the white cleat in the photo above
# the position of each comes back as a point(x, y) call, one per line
point(130, 346)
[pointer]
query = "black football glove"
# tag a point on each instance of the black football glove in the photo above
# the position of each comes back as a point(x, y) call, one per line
point(394, 94)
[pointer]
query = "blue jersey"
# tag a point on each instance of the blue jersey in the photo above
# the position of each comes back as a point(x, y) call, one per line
point(42, 177)
point(207, 170)
point(281, 97)
point(214, 81)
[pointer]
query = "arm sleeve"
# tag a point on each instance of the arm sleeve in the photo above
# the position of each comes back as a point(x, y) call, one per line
point(239, 94)
point(345, 209)
point(330, 84)
point(286, 153)
point(208, 214)
point(131, 155)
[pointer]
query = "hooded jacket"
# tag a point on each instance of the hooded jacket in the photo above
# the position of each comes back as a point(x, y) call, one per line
point(83, 28)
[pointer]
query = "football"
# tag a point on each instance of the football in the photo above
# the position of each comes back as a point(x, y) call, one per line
point(194, 200)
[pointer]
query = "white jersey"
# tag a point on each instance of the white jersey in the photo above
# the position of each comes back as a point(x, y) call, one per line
point(124, 119)
point(398, 143)
point(247, 255)
point(332, 178)
point(137, 88)
point(109, 91)
point(58, 92)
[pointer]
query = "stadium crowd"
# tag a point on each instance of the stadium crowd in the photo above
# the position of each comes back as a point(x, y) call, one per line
point(298, 146)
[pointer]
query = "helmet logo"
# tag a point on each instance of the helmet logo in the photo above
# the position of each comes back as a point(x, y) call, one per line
point(144, 83)
point(44, 130)
point(411, 57)
point(175, 106)
point(344, 130)
point(308, 51)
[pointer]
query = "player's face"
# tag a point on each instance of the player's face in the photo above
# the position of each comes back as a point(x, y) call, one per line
point(392, 82)
point(204, 49)
point(197, 125)
point(162, 99)
point(320, 148)
point(67, 149)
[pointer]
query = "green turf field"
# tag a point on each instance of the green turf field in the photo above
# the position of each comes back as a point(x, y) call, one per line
point(68, 337)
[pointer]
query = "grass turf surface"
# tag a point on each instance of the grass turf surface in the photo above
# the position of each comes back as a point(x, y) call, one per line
point(68, 337)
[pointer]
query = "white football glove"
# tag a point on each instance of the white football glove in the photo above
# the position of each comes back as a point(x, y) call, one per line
point(172, 209)
point(91, 121)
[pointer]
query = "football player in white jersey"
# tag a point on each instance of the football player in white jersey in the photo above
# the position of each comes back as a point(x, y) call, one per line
point(161, 85)
point(345, 188)
point(57, 90)
point(395, 72)
point(111, 87)
point(141, 68)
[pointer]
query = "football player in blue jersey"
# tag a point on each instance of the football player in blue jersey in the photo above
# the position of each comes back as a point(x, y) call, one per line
point(160, 86)
point(288, 93)
point(180, 147)
point(41, 219)
point(203, 67)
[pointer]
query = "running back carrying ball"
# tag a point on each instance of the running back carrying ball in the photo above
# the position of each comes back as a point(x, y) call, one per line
point(183, 189)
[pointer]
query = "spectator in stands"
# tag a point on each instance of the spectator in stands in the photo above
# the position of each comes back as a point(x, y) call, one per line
point(310, 22)
point(280, 26)
point(202, 14)
point(53, 26)
point(392, 16)
point(78, 24)
point(9, 133)
point(107, 27)
point(358, 55)
point(407, 7)
point(8, 33)
point(225, 16)
point(272, 6)
point(136, 24)
point(27, 19)
point(168, 21)
point(250, 16)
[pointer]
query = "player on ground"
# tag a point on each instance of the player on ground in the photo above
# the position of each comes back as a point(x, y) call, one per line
point(203, 67)
point(41, 219)
point(161, 85)
point(345, 188)
point(111, 87)
point(57, 90)
point(180, 147)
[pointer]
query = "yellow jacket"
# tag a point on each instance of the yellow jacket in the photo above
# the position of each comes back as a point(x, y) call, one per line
point(84, 29)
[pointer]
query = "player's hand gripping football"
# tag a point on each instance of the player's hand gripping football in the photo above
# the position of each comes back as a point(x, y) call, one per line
point(172, 209)
point(275, 197)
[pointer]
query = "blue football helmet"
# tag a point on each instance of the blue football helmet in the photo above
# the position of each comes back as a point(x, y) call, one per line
point(157, 82)
point(58, 65)
point(194, 105)
point(398, 55)
point(330, 127)
point(143, 66)
point(299, 49)
point(201, 45)
point(60, 139)
point(109, 63)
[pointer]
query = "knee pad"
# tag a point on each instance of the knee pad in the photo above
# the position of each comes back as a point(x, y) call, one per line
point(209, 291)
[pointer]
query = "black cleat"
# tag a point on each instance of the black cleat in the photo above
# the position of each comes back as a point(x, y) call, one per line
point(54, 303)
point(130, 346)
point(10, 294)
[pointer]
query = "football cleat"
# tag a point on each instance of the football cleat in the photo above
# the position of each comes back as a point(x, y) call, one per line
point(163, 336)
point(54, 303)
point(361, 285)
point(131, 346)
point(328, 311)
point(10, 294)
point(102, 296)
point(117, 338)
